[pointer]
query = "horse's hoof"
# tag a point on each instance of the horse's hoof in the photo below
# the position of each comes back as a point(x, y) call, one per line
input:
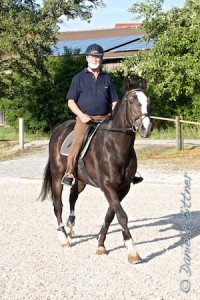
point(69, 231)
point(101, 250)
point(134, 258)
point(62, 238)
point(65, 245)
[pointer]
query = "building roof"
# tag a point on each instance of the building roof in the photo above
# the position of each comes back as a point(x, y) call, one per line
point(117, 42)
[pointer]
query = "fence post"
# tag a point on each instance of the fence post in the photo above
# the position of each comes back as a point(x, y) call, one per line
point(21, 133)
point(181, 134)
point(177, 133)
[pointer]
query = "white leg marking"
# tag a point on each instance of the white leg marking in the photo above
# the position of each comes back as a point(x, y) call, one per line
point(130, 245)
point(62, 238)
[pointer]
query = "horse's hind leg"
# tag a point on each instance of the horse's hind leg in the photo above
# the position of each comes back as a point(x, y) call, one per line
point(104, 229)
point(57, 189)
point(76, 189)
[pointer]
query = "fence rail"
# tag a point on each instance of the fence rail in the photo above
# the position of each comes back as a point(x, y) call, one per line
point(179, 129)
point(178, 124)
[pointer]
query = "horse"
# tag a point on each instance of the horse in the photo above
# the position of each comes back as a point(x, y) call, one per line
point(110, 162)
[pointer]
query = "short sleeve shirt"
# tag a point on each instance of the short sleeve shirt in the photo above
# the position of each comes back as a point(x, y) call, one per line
point(93, 96)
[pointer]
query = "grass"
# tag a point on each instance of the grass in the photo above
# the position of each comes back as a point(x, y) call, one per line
point(8, 133)
point(170, 133)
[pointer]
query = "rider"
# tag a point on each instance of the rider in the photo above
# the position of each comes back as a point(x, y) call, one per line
point(91, 96)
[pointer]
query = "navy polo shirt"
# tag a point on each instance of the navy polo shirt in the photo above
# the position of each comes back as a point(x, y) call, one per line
point(93, 96)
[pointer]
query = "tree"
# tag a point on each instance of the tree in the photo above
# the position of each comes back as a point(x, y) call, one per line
point(172, 65)
point(26, 36)
point(27, 32)
point(42, 102)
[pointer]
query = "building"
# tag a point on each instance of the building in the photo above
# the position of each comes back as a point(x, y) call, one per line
point(119, 42)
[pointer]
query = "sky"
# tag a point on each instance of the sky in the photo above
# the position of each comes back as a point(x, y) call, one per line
point(114, 12)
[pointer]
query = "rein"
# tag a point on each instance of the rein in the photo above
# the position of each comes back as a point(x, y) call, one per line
point(129, 130)
point(123, 130)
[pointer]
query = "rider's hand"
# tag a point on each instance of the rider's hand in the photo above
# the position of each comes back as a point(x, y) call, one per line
point(85, 118)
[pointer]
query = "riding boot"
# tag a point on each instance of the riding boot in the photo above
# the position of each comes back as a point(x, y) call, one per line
point(69, 177)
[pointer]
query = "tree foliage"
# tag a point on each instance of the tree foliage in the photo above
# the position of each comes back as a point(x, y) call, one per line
point(71, 8)
point(172, 65)
point(27, 32)
point(26, 36)
point(42, 103)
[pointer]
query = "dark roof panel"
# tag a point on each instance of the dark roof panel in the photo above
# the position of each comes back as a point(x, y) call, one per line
point(106, 43)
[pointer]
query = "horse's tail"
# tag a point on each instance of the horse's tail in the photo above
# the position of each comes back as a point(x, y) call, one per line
point(47, 183)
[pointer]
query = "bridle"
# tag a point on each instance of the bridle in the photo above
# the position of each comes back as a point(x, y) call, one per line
point(134, 127)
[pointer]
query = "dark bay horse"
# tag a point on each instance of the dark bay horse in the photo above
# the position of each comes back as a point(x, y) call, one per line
point(110, 162)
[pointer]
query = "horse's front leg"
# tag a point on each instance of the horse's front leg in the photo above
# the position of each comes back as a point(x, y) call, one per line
point(103, 232)
point(114, 201)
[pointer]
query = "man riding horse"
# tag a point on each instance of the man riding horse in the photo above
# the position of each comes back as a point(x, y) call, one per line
point(92, 96)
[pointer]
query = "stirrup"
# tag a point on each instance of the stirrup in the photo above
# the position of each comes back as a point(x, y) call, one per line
point(67, 180)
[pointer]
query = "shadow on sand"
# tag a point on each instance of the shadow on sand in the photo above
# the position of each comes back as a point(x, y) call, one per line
point(174, 222)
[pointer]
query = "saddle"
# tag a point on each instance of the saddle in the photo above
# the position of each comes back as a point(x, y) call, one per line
point(85, 145)
point(64, 150)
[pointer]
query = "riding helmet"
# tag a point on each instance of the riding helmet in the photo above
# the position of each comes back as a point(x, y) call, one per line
point(94, 49)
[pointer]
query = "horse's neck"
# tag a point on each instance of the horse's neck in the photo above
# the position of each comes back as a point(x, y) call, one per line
point(120, 118)
point(121, 124)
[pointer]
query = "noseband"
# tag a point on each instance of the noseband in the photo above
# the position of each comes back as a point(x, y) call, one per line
point(135, 127)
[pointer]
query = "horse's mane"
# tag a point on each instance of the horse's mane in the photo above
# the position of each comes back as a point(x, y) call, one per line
point(114, 111)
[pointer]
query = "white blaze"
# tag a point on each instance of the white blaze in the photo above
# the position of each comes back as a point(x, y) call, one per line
point(142, 98)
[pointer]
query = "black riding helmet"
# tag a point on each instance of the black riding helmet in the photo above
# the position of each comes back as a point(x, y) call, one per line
point(94, 49)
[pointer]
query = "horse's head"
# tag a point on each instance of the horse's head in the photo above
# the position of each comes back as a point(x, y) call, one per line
point(137, 107)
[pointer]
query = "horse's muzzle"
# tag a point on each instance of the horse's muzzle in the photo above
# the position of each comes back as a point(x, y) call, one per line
point(145, 130)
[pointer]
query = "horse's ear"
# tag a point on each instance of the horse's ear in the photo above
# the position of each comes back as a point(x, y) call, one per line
point(134, 84)
point(139, 83)
point(126, 84)
point(143, 84)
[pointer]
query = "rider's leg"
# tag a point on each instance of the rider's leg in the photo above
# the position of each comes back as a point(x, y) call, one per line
point(79, 133)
